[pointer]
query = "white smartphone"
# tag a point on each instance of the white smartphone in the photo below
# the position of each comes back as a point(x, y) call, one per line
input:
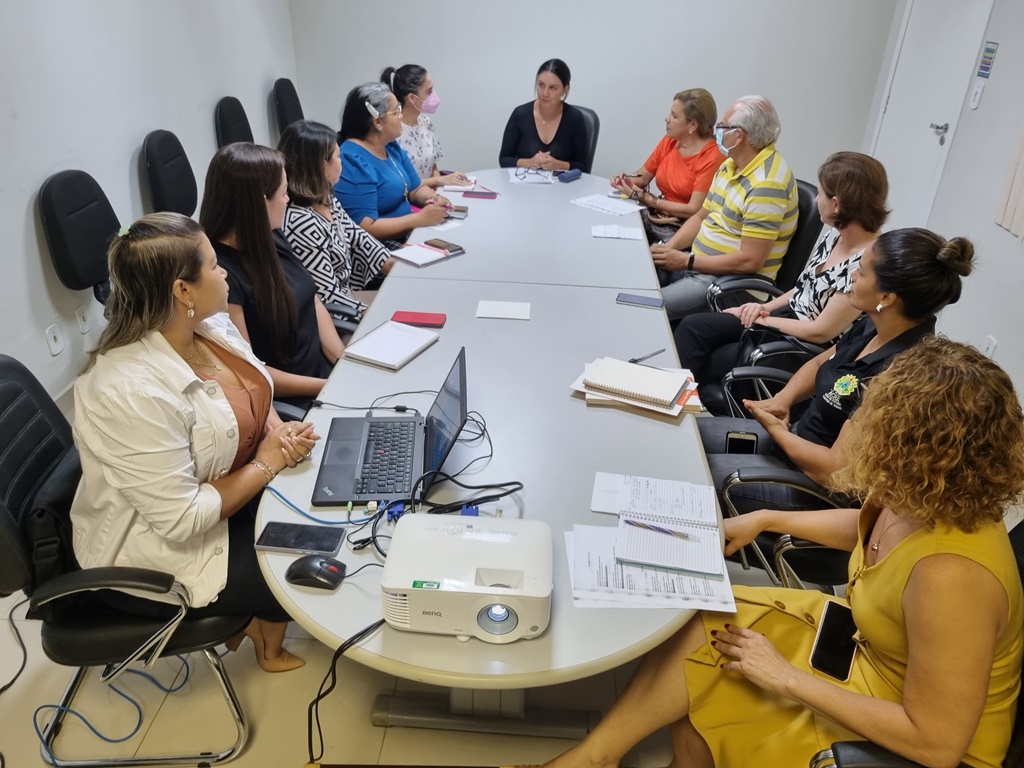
point(741, 442)
point(633, 299)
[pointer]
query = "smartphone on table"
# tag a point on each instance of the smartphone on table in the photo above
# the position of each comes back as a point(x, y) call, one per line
point(655, 302)
point(740, 442)
point(834, 645)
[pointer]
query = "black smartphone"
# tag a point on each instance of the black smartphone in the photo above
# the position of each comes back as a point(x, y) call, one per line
point(741, 442)
point(633, 299)
point(302, 539)
point(834, 646)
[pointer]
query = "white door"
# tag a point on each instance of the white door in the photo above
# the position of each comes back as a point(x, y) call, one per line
point(935, 66)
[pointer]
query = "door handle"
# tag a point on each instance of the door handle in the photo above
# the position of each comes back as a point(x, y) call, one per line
point(940, 129)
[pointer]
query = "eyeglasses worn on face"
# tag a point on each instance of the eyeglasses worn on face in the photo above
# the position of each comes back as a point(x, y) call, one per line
point(395, 111)
point(725, 127)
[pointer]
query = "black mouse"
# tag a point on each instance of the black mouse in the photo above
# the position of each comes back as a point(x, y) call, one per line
point(318, 571)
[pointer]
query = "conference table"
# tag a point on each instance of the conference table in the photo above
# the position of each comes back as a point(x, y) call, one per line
point(519, 374)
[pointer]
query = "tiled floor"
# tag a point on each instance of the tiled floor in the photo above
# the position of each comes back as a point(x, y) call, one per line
point(196, 717)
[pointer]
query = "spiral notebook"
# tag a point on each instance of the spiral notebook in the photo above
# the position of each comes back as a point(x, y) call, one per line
point(635, 383)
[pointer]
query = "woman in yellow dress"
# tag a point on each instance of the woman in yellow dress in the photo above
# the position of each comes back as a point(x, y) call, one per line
point(937, 452)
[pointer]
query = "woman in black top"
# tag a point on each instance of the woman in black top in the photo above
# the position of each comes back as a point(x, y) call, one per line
point(546, 133)
point(905, 277)
point(272, 298)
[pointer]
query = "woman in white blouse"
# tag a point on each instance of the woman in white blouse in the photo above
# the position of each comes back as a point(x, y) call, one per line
point(341, 256)
point(177, 435)
point(414, 89)
point(852, 189)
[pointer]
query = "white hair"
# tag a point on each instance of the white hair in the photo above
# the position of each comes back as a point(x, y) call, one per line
point(757, 116)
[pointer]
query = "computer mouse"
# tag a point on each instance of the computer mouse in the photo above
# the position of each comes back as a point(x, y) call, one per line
point(317, 571)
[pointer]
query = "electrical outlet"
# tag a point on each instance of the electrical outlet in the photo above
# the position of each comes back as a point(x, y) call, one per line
point(990, 346)
point(84, 323)
point(54, 340)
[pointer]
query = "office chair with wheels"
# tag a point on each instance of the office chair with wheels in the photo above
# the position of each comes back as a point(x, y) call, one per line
point(286, 104)
point(39, 471)
point(729, 290)
point(230, 122)
point(864, 754)
point(172, 184)
point(593, 126)
point(79, 225)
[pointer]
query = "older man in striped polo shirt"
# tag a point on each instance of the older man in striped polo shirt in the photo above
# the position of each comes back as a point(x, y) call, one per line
point(748, 217)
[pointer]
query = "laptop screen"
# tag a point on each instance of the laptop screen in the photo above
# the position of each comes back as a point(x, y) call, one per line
point(445, 420)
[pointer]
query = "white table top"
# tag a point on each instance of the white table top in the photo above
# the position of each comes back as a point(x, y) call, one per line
point(531, 233)
point(519, 374)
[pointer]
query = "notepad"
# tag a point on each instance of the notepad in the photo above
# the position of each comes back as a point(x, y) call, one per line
point(635, 383)
point(420, 256)
point(390, 345)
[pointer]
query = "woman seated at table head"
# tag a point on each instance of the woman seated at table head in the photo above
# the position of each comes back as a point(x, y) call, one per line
point(937, 452)
point(273, 299)
point(683, 164)
point(414, 89)
point(340, 256)
point(546, 133)
point(904, 278)
point(177, 436)
point(852, 190)
point(379, 186)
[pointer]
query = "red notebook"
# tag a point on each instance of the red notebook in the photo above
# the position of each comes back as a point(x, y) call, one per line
point(424, 319)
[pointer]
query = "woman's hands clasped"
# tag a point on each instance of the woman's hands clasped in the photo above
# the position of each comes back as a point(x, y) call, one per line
point(287, 444)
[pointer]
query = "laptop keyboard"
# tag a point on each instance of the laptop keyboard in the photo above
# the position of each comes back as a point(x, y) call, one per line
point(387, 462)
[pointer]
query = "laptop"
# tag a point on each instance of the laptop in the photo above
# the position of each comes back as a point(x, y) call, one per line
point(380, 457)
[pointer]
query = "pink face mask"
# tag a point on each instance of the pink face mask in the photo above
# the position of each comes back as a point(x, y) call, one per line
point(431, 103)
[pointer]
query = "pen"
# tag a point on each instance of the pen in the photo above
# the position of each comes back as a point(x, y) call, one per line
point(656, 528)
point(644, 357)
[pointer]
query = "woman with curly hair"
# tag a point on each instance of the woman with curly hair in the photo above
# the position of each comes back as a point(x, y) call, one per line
point(937, 452)
point(904, 278)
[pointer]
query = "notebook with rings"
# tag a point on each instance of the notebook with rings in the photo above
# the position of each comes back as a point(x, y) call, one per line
point(372, 458)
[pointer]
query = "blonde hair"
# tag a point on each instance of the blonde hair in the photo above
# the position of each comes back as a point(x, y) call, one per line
point(144, 263)
point(939, 437)
point(699, 105)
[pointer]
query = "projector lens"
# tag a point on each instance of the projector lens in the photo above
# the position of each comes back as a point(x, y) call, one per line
point(497, 619)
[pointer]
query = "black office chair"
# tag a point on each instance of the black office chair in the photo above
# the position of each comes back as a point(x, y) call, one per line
point(172, 184)
point(230, 122)
point(864, 754)
point(729, 290)
point(593, 126)
point(286, 102)
point(79, 225)
point(39, 471)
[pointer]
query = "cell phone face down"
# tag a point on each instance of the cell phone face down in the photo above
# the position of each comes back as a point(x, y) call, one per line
point(480, 194)
point(655, 302)
point(740, 442)
point(834, 647)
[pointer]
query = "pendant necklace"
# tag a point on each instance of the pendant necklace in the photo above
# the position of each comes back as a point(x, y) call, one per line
point(878, 541)
point(397, 172)
point(194, 360)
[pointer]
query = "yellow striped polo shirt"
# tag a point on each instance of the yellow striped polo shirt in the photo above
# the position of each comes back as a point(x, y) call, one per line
point(760, 201)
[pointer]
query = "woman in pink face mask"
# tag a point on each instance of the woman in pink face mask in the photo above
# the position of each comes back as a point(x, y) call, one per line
point(414, 89)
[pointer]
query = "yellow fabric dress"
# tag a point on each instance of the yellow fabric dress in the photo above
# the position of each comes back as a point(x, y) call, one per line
point(740, 721)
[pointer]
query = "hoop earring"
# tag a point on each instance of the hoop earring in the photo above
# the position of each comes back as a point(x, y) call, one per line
point(879, 308)
point(192, 308)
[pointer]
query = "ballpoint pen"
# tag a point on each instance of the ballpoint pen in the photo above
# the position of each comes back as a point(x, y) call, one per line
point(644, 357)
point(656, 528)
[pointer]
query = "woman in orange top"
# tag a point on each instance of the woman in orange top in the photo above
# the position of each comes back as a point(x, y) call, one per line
point(683, 164)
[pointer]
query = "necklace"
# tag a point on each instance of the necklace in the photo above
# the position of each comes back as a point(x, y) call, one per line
point(541, 116)
point(397, 173)
point(878, 541)
point(194, 360)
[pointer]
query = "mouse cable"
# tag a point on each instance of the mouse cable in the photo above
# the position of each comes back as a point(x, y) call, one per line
point(328, 684)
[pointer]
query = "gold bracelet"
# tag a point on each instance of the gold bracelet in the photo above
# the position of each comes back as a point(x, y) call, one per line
point(267, 471)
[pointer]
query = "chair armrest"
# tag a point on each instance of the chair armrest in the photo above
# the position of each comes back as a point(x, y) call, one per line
point(346, 319)
point(289, 412)
point(733, 283)
point(788, 346)
point(864, 754)
point(779, 476)
point(115, 577)
point(751, 372)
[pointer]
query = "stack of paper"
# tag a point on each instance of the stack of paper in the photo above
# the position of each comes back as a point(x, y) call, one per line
point(420, 255)
point(614, 231)
point(599, 573)
point(608, 381)
point(460, 188)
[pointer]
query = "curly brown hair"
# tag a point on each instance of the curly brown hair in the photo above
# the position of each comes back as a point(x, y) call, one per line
point(939, 437)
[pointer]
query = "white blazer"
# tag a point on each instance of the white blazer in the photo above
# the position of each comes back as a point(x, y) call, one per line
point(152, 435)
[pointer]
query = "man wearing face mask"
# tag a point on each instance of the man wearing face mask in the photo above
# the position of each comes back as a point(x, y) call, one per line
point(414, 89)
point(748, 217)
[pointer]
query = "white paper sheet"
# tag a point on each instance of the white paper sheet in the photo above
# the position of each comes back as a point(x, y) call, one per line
point(448, 224)
point(605, 497)
point(507, 310)
point(615, 232)
point(605, 204)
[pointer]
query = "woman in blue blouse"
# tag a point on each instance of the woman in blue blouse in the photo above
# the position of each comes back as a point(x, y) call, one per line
point(378, 186)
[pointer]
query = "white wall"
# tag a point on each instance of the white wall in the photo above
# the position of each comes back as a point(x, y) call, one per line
point(969, 192)
point(81, 84)
point(819, 62)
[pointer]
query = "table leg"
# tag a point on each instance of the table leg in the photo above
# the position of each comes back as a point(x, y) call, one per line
point(481, 711)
